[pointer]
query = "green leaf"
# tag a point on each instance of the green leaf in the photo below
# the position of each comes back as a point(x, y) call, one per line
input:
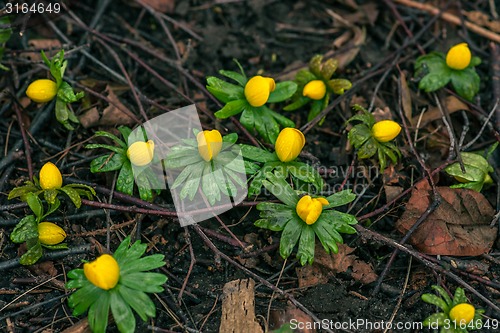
point(257, 154)
point(306, 173)
point(117, 150)
point(231, 108)
point(359, 134)
point(135, 251)
point(466, 83)
point(328, 68)
point(146, 282)
point(266, 124)
point(66, 93)
point(73, 195)
point(435, 300)
point(305, 252)
point(297, 104)
point(25, 229)
point(224, 91)
point(138, 300)
point(438, 319)
point(459, 297)
point(209, 185)
point(282, 120)
point(277, 185)
point(125, 180)
point(432, 61)
point(107, 163)
point(182, 159)
point(283, 91)
point(98, 313)
point(52, 208)
point(274, 216)
point(444, 295)
point(339, 86)
point(240, 78)
point(316, 108)
point(340, 198)
point(35, 204)
point(121, 251)
point(145, 192)
point(328, 241)
point(315, 65)
point(289, 237)
point(84, 297)
point(247, 118)
point(368, 149)
point(143, 264)
point(435, 80)
point(192, 184)
point(113, 137)
point(50, 196)
point(475, 61)
point(22, 191)
point(33, 254)
point(122, 314)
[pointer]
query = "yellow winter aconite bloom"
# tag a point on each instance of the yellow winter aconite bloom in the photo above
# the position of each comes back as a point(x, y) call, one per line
point(458, 57)
point(103, 272)
point(209, 144)
point(462, 313)
point(141, 153)
point(257, 90)
point(42, 91)
point(309, 209)
point(315, 89)
point(289, 144)
point(385, 130)
point(50, 233)
point(50, 177)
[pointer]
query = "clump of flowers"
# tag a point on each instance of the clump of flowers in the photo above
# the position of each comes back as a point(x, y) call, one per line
point(436, 70)
point(210, 163)
point(477, 171)
point(249, 97)
point(288, 146)
point(118, 282)
point(302, 219)
point(37, 235)
point(50, 184)
point(132, 158)
point(371, 137)
point(458, 314)
point(315, 86)
point(44, 90)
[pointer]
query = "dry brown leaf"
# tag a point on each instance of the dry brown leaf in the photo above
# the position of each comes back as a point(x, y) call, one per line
point(406, 98)
point(326, 265)
point(163, 6)
point(458, 227)
point(114, 114)
point(481, 18)
point(452, 104)
point(278, 318)
point(49, 46)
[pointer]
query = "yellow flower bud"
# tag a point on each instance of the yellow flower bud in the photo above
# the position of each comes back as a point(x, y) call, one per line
point(50, 177)
point(209, 144)
point(141, 153)
point(257, 90)
point(50, 233)
point(42, 91)
point(309, 209)
point(458, 57)
point(315, 89)
point(103, 272)
point(385, 130)
point(462, 313)
point(289, 144)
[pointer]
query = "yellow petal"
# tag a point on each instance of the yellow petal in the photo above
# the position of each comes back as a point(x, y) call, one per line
point(141, 153)
point(462, 313)
point(315, 210)
point(309, 209)
point(315, 89)
point(50, 233)
point(257, 90)
point(50, 177)
point(323, 201)
point(459, 56)
point(289, 144)
point(385, 130)
point(302, 207)
point(42, 91)
point(209, 144)
point(103, 272)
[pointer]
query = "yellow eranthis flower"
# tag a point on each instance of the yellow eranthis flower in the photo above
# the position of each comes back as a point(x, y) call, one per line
point(42, 91)
point(50, 177)
point(209, 144)
point(315, 89)
point(289, 144)
point(309, 209)
point(257, 90)
point(141, 153)
point(458, 57)
point(103, 272)
point(385, 130)
point(462, 313)
point(50, 233)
